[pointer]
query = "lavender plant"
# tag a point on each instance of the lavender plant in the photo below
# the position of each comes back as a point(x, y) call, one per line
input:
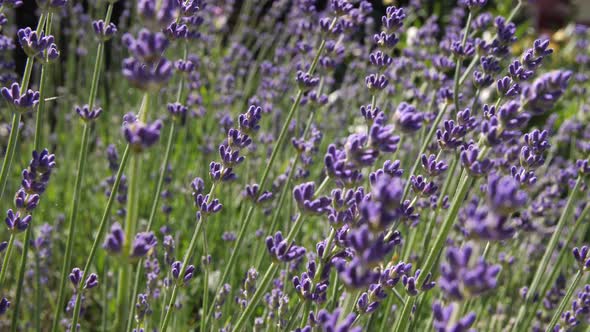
point(295, 165)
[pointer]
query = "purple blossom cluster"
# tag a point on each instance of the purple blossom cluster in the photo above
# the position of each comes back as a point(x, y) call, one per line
point(348, 166)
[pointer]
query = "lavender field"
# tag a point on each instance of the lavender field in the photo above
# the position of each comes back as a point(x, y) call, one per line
point(293, 165)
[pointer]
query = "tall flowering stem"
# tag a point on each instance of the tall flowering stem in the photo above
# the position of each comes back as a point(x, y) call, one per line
point(81, 169)
point(16, 116)
point(27, 241)
point(540, 272)
point(425, 144)
point(156, 199)
point(459, 63)
point(101, 229)
point(131, 219)
point(282, 135)
point(565, 301)
point(473, 62)
point(187, 256)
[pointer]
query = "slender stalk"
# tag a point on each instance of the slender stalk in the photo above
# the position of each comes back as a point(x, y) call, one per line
point(282, 135)
point(78, 181)
point(563, 252)
point(473, 62)
point(187, 256)
point(16, 116)
point(565, 301)
point(540, 272)
point(130, 230)
point(101, 229)
point(425, 144)
point(45, 19)
point(402, 320)
point(205, 282)
point(349, 302)
point(4, 266)
point(459, 62)
point(157, 196)
point(293, 319)
point(256, 297)
point(38, 299)
point(21, 277)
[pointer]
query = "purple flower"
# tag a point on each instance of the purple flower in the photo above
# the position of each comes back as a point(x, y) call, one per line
point(473, 4)
point(87, 115)
point(462, 51)
point(4, 305)
point(307, 204)
point(140, 135)
point(249, 121)
point(91, 281)
point(582, 258)
point(25, 201)
point(115, 239)
point(305, 288)
point(257, 197)
point(147, 77)
point(75, 277)
point(333, 322)
point(281, 251)
point(392, 275)
point(306, 81)
point(15, 222)
point(393, 19)
point(104, 31)
point(376, 82)
point(383, 207)
point(51, 4)
point(176, 267)
point(432, 166)
point(22, 102)
point(412, 289)
point(33, 43)
point(142, 244)
point(545, 91)
point(504, 196)
point(148, 47)
point(470, 160)
point(459, 280)
point(408, 118)
point(443, 321)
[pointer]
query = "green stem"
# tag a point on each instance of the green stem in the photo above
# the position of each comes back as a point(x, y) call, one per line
point(21, 277)
point(540, 272)
point(423, 148)
point(45, 19)
point(563, 252)
point(156, 199)
point(256, 297)
point(458, 65)
point(565, 301)
point(130, 230)
point(101, 229)
point(188, 254)
point(349, 302)
point(14, 129)
point(205, 281)
point(294, 106)
point(402, 320)
point(293, 318)
point(78, 183)
point(41, 105)
point(476, 58)
point(445, 228)
point(7, 255)
point(38, 290)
